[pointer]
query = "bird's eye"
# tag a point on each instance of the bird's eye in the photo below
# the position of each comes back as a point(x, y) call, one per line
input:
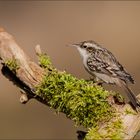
point(84, 46)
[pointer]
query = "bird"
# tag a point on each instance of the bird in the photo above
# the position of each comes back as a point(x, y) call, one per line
point(103, 65)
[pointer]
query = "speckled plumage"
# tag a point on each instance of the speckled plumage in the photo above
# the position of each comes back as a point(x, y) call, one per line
point(101, 63)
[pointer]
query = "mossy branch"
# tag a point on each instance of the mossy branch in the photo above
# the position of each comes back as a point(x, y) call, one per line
point(82, 101)
point(102, 112)
point(12, 65)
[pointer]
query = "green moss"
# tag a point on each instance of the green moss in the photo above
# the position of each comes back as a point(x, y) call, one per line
point(44, 61)
point(82, 101)
point(119, 98)
point(113, 131)
point(93, 134)
point(12, 64)
point(129, 110)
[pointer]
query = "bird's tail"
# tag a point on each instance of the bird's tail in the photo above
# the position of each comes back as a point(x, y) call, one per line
point(135, 102)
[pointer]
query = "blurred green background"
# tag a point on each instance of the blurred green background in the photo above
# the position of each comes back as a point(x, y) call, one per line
point(54, 24)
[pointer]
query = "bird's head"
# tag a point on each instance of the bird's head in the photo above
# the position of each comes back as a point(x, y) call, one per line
point(86, 48)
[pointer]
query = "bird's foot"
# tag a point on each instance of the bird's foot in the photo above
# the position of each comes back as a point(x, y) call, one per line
point(99, 83)
point(93, 81)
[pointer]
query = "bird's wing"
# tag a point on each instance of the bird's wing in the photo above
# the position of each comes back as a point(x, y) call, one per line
point(103, 61)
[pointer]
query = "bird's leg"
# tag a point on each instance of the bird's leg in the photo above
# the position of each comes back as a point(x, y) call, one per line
point(90, 80)
point(99, 83)
point(96, 80)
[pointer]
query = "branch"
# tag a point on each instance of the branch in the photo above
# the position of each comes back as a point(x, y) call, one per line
point(103, 113)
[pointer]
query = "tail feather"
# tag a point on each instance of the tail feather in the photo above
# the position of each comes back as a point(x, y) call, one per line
point(135, 102)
